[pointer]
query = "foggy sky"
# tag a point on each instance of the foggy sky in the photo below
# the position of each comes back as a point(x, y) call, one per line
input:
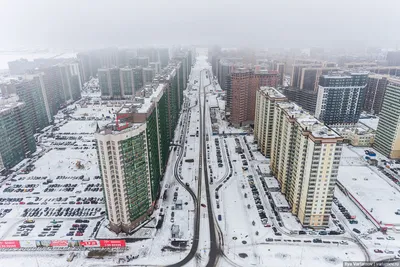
point(278, 23)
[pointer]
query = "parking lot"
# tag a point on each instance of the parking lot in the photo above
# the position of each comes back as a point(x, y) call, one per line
point(58, 192)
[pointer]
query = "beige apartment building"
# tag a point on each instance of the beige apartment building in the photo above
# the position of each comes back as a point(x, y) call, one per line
point(266, 97)
point(305, 157)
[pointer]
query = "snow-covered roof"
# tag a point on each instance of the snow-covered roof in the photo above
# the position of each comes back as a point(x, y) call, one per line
point(307, 121)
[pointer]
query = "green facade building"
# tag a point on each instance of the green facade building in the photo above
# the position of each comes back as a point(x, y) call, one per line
point(16, 135)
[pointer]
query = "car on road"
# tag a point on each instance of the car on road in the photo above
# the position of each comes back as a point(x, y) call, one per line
point(203, 205)
point(378, 251)
point(219, 217)
point(355, 230)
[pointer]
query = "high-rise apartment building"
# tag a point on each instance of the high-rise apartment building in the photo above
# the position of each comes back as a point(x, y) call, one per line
point(280, 67)
point(133, 151)
point(393, 58)
point(266, 97)
point(16, 135)
point(374, 93)
point(127, 82)
point(305, 157)
point(310, 77)
point(340, 97)
point(224, 69)
point(71, 82)
point(307, 99)
point(243, 84)
point(148, 75)
point(117, 83)
point(164, 56)
point(295, 80)
point(143, 62)
point(156, 66)
point(387, 140)
point(30, 92)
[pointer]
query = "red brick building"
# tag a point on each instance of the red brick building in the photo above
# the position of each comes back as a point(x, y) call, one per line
point(244, 83)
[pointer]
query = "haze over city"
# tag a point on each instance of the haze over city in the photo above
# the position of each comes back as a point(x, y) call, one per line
point(79, 24)
point(199, 133)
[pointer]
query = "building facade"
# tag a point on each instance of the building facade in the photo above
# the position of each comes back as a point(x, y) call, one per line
point(266, 97)
point(30, 92)
point(393, 58)
point(17, 141)
point(305, 157)
point(133, 151)
point(243, 84)
point(374, 93)
point(117, 83)
point(387, 140)
point(341, 97)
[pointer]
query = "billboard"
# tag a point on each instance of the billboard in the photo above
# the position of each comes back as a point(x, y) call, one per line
point(62, 244)
point(59, 243)
point(112, 243)
point(90, 243)
point(10, 244)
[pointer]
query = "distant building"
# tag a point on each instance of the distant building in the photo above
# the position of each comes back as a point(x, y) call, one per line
point(280, 68)
point(156, 66)
point(266, 97)
point(164, 56)
point(148, 75)
point(375, 91)
point(16, 135)
point(310, 77)
point(143, 62)
point(358, 65)
point(340, 97)
point(387, 139)
point(305, 157)
point(32, 94)
point(392, 71)
point(297, 72)
point(116, 83)
point(224, 68)
point(393, 58)
point(307, 99)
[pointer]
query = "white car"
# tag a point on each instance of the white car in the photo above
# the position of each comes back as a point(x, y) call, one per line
point(344, 242)
point(390, 238)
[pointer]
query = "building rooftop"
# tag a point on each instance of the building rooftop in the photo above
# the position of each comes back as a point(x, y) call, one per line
point(343, 74)
point(271, 92)
point(7, 104)
point(155, 92)
point(307, 121)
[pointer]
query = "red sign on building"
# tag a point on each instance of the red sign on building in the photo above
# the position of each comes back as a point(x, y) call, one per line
point(59, 243)
point(112, 243)
point(90, 243)
point(10, 244)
